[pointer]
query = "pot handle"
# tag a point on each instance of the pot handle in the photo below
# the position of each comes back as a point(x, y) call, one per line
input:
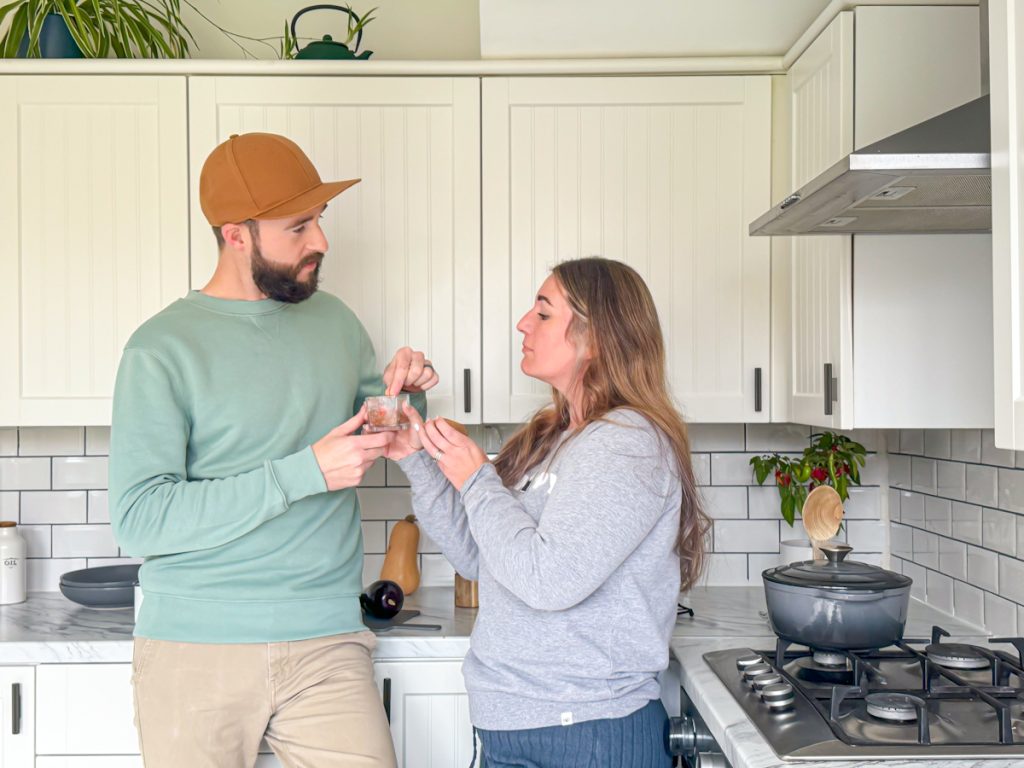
point(342, 8)
point(835, 553)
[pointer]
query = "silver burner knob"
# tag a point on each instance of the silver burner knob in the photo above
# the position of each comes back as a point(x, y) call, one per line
point(778, 696)
point(762, 681)
point(754, 670)
point(686, 735)
point(745, 661)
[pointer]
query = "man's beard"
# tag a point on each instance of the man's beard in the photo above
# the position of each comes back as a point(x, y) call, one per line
point(282, 283)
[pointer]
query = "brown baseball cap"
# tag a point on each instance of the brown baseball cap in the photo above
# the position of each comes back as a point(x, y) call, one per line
point(261, 176)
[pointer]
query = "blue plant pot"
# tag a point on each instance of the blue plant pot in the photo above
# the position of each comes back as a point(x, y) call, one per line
point(55, 41)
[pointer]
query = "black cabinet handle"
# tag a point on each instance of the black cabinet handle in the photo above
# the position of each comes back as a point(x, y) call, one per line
point(467, 399)
point(828, 389)
point(757, 390)
point(15, 708)
point(387, 698)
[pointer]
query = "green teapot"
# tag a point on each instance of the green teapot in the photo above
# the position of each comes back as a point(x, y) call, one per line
point(327, 47)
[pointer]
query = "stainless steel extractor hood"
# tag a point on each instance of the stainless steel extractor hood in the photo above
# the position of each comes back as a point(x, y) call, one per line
point(935, 176)
point(932, 177)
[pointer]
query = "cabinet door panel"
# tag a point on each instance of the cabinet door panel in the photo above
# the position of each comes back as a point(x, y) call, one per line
point(661, 173)
point(17, 716)
point(87, 710)
point(405, 242)
point(821, 103)
point(93, 234)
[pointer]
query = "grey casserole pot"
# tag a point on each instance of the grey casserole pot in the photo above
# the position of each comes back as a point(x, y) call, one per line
point(837, 604)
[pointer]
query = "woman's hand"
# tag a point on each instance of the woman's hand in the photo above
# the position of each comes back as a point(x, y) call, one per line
point(455, 453)
point(406, 441)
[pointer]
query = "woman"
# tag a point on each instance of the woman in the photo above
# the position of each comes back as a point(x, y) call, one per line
point(581, 532)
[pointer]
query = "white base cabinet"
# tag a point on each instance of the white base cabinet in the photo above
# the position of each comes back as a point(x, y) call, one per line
point(17, 716)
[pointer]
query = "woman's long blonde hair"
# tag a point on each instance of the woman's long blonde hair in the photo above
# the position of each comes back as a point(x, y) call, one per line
point(615, 317)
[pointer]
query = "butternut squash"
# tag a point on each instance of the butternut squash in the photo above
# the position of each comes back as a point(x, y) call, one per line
point(456, 426)
point(401, 564)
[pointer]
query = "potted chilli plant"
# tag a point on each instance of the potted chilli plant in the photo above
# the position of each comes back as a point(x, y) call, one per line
point(830, 459)
point(94, 29)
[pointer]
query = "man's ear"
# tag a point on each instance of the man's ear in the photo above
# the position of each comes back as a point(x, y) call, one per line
point(236, 236)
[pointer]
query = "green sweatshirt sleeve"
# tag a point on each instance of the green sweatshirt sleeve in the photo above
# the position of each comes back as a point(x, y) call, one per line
point(155, 509)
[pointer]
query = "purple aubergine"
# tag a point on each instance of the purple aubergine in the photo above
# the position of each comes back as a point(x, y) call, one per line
point(382, 599)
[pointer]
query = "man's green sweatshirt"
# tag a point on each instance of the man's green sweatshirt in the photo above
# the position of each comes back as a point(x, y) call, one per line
point(212, 475)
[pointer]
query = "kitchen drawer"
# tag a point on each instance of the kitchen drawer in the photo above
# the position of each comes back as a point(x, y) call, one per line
point(85, 709)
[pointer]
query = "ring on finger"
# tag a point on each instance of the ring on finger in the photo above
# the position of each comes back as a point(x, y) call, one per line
point(438, 455)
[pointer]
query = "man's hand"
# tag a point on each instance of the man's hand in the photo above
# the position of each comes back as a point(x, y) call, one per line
point(409, 371)
point(344, 456)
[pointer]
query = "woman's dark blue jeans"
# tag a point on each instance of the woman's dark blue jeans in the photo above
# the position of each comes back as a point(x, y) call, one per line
point(639, 740)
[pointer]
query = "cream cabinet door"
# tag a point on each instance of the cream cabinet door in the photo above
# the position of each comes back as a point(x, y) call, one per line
point(663, 173)
point(93, 234)
point(821, 120)
point(428, 708)
point(405, 242)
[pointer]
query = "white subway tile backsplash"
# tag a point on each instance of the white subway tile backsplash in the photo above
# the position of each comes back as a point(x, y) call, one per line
point(1011, 489)
point(912, 441)
point(1000, 616)
point(39, 507)
point(875, 470)
point(992, 455)
point(375, 476)
point(969, 603)
point(97, 504)
point(436, 571)
point(937, 443)
point(938, 515)
point(901, 541)
point(866, 535)
point(871, 439)
point(705, 438)
point(97, 562)
point(899, 470)
point(871, 558)
point(926, 549)
point(758, 564)
point(777, 437)
point(9, 505)
point(863, 504)
point(51, 441)
point(24, 474)
point(746, 536)
point(701, 467)
point(8, 442)
point(79, 472)
point(983, 568)
point(894, 504)
point(912, 509)
point(732, 469)
point(965, 445)
point(727, 502)
point(922, 474)
point(44, 575)
point(84, 541)
point(763, 503)
point(999, 531)
point(384, 503)
point(982, 485)
point(395, 476)
point(953, 558)
point(37, 539)
point(1011, 579)
point(1020, 535)
point(97, 441)
point(919, 576)
point(967, 522)
point(726, 570)
point(375, 537)
point(371, 568)
point(951, 480)
point(940, 591)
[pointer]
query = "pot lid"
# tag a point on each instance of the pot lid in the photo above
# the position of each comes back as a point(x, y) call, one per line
point(836, 573)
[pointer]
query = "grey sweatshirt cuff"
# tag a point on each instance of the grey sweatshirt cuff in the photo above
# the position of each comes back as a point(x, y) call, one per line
point(420, 467)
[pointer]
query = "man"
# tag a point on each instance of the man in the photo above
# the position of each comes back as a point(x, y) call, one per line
point(230, 475)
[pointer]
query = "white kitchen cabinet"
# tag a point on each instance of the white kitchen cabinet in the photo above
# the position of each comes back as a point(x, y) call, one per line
point(17, 716)
point(93, 236)
point(429, 712)
point(1006, 61)
point(85, 709)
point(901, 345)
point(662, 173)
point(405, 242)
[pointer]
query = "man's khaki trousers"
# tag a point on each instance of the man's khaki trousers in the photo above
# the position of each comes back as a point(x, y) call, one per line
point(201, 705)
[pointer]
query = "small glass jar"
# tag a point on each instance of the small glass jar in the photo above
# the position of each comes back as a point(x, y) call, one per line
point(385, 413)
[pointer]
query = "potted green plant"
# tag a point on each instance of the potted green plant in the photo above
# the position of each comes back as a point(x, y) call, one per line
point(830, 459)
point(94, 29)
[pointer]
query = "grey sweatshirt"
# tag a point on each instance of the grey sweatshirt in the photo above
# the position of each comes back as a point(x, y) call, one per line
point(578, 574)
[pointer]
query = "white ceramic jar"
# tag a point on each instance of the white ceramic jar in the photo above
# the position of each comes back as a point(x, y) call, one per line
point(12, 564)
